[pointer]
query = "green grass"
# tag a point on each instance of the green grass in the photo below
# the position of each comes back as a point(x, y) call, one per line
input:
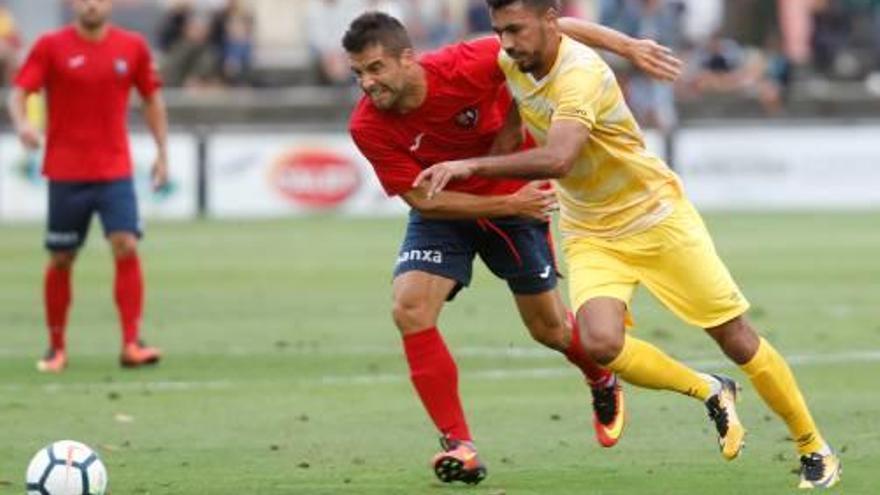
point(284, 375)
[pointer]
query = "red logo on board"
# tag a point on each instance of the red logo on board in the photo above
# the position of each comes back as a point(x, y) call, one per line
point(315, 177)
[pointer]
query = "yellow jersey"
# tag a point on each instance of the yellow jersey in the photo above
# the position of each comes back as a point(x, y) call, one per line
point(616, 187)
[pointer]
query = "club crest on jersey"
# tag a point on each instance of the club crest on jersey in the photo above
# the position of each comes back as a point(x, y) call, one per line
point(121, 66)
point(467, 118)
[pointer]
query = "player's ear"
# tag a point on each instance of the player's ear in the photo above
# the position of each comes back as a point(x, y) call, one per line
point(551, 17)
point(407, 57)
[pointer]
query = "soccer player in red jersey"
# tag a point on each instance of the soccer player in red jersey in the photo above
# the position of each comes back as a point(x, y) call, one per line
point(420, 111)
point(87, 71)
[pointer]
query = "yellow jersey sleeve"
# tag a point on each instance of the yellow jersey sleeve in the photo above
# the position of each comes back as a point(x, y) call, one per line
point(577, 94)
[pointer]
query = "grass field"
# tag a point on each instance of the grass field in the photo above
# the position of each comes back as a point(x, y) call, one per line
point(284, 375)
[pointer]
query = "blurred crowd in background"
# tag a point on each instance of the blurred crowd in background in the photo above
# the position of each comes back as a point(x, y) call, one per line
point(749, 49)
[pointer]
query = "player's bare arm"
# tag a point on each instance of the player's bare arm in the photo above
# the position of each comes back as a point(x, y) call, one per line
point(652, 58)
point(534, 201)
point(157, 120)
point(29, 136)
point(551, 161)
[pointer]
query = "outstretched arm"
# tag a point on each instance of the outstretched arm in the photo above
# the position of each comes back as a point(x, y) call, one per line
point(534, 201)
point(555, 159)
point(649, 56)
point(396, 171)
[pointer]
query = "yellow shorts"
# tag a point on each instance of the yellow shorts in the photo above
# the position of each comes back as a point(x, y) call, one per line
point(675, 260)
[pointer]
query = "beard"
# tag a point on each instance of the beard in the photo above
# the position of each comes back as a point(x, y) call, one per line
point(92, 22)
point(526, 62)
point(529, 61)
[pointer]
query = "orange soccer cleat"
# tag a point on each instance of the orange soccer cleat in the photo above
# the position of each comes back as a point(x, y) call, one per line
point(138, 354)
point(609, 415)
point(54, 361)
point(458, 462)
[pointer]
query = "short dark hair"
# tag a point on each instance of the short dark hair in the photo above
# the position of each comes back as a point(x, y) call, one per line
point(539, 5)
point(376, 28)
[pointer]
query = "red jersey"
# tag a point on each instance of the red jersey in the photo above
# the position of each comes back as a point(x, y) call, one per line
point(464, 109)
point(87, 88)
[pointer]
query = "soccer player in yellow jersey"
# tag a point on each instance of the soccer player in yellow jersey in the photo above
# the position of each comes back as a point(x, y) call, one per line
point(625, 221)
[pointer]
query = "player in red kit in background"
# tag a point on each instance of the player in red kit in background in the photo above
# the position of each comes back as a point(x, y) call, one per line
point(87, 71)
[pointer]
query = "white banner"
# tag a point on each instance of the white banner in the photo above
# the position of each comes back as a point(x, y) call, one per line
point(278, 174)
point(23, 189)
point(781, 168)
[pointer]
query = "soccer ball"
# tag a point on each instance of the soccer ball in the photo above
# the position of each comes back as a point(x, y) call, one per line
point(66, 468)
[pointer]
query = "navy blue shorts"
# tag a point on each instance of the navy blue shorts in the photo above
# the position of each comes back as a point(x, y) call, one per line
point(517, 250)
point(71, 205)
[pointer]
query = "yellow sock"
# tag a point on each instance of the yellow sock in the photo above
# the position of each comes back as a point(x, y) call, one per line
point(775, 382)
point(644, 365)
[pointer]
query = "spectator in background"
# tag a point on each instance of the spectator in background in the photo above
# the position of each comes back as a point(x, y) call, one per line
point(622, 15)
point(723, 66)
point(432, 24)
point(326, 22)
point(393, 8)
point(646, 18)
point(191, 61)
point(795, 27)
point(700, 19)
point(871, 13)
point(779, 66)
point(832, 29)
point(478, 21)
point(652, 102)
point(443, 28)
point(10, 44)
point(173, 23)
point(875, 15)
point(231, 36)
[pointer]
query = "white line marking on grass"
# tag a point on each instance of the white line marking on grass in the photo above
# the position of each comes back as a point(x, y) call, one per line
point(150, 386)
point(807, 359)
point(392, 349)
point(559, 372)
point(509, 352)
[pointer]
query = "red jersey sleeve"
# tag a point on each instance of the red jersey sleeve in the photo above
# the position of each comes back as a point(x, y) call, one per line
point(395, 169)
point(146, 79)
point(33, 73)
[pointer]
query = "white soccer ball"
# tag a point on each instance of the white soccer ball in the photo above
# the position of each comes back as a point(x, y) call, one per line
point(66, 468)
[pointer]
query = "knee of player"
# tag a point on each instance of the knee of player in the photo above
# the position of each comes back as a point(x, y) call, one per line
point(62, 260)
point(550, 335)
point(411, 315)
point(124, 246)
point(603, 345)
point(733, 332)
